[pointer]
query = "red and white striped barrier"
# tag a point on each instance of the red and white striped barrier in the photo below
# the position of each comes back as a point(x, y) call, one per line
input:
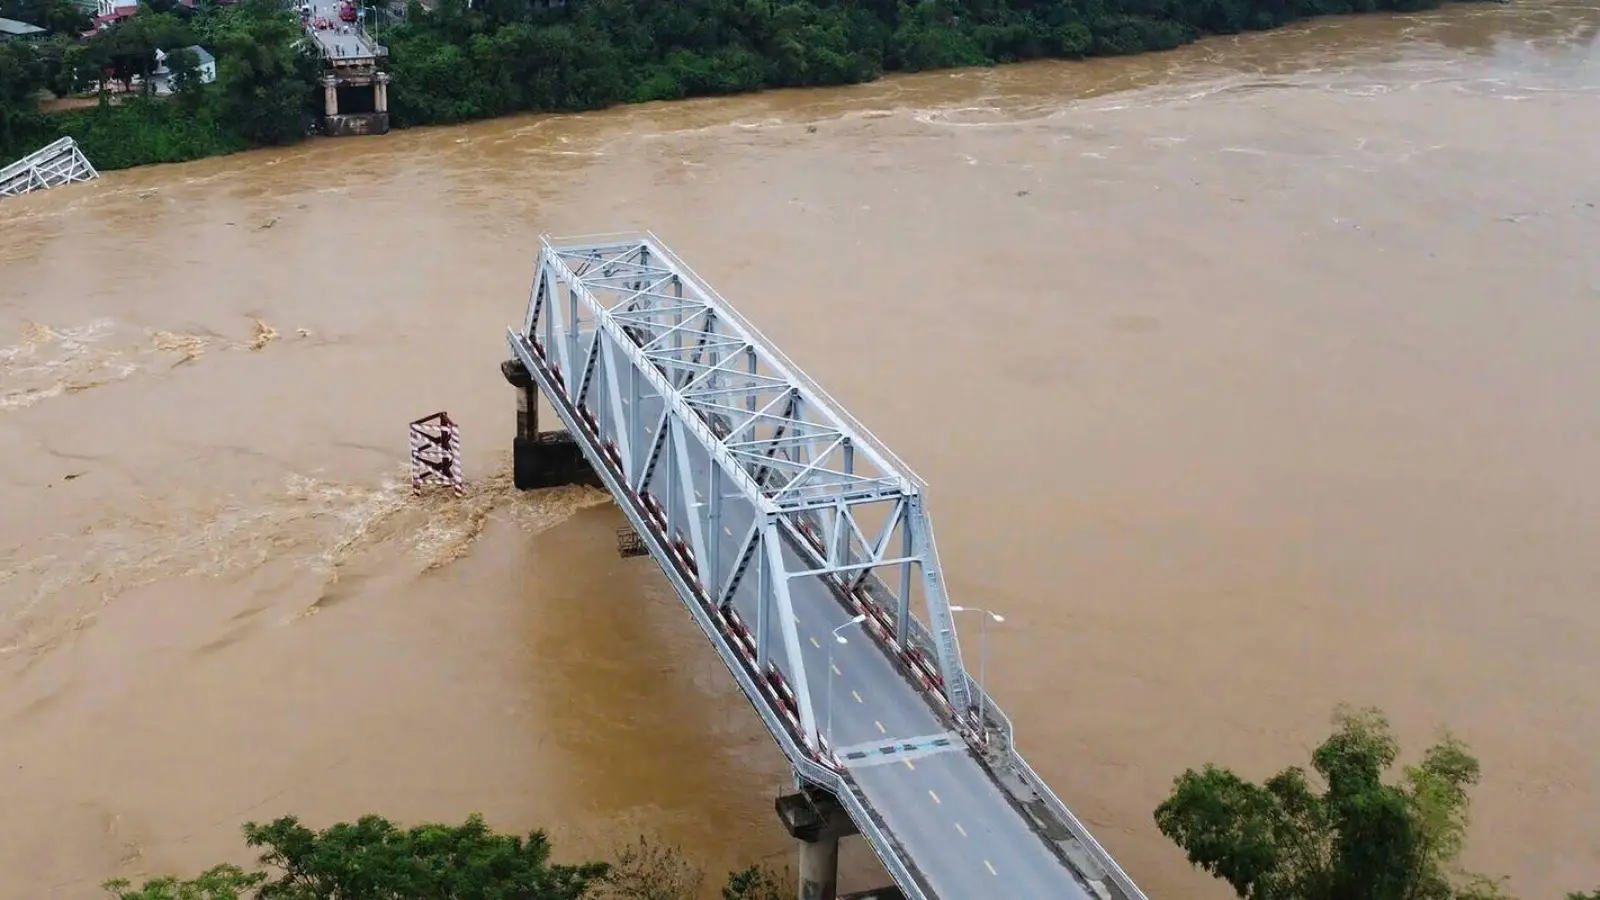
point(436, 453)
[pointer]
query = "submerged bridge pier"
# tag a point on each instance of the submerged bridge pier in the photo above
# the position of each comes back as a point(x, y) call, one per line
point(803, 548)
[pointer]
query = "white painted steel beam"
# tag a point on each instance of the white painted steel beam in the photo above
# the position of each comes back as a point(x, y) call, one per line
point(775, 437)
point(53, 165)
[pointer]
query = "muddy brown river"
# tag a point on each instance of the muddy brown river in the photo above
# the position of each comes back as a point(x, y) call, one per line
point(1249, 378)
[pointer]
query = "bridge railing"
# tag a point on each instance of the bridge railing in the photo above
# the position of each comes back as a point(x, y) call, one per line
point(921, 639)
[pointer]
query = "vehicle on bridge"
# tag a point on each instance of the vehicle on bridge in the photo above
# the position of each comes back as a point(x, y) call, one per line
point(803, 548)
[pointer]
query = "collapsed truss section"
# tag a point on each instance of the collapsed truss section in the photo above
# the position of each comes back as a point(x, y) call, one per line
point(60, 162)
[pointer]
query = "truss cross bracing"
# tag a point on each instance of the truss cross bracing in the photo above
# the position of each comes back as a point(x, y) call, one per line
point(712, 425)
point(767, 506)
point(51, 166)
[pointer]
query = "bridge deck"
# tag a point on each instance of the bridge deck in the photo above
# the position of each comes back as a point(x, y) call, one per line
point(711, 443)
point(335, 44)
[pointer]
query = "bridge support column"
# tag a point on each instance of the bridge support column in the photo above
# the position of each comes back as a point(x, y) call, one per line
point(815, 819)
point(330, 96)
point(819, 870)
point(541, 459)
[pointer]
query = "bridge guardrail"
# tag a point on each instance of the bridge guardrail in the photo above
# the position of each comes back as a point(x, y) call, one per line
point(920, 638)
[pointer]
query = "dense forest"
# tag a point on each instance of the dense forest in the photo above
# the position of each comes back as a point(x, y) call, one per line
point(494, 57)
point(262, 94)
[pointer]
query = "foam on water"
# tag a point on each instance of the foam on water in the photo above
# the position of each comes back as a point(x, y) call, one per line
point(58, 586)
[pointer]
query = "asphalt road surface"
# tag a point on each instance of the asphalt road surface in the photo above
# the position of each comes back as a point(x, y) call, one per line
point(335, 44)
point(956, 824)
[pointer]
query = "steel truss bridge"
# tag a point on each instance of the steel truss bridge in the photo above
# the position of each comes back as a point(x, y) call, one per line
point(804, 549)
point(58, 163)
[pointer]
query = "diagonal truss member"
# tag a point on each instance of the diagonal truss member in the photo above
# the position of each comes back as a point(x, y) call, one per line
point(58, 163)
point(754, 472)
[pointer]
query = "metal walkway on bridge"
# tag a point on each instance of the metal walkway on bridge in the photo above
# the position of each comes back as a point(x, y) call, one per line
point(803, 547)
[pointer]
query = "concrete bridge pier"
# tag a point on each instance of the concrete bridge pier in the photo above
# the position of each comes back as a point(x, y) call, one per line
point(814, 818)
point(541, 459)
point(364, 107)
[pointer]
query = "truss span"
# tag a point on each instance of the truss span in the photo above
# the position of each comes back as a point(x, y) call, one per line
point(803, 547)
point(53, 165)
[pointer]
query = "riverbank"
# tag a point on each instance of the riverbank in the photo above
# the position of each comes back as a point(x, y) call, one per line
point(1268, 294)
point(454, 65)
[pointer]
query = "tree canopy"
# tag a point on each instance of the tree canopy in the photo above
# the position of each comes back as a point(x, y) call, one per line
point(263, 93)
point(1353, 837)
point(375, 859)
point(470, 59)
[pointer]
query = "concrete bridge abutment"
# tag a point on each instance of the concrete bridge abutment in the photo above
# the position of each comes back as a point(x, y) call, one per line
point(541, 459)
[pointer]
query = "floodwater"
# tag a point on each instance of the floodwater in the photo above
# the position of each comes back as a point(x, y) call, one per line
point(1249, 378)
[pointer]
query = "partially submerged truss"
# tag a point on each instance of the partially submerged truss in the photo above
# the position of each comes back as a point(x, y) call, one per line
point(58, 163)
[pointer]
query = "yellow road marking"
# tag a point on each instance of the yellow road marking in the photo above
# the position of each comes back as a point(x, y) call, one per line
point(934, 796)
point(857, 696)
point(881, 729)
point(990, 866)
point(960, 829)
point(815, 644)
point(909, 765)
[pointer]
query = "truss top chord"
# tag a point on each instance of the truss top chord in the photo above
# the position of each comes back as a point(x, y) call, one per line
point(580, 256)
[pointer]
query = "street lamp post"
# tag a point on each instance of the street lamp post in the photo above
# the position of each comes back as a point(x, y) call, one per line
point(840, 639)
point(983, 658)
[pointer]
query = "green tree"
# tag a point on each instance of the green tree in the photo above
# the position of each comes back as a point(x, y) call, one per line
point(183, 64)
point(21, 76)
point(374, 859)
point(129, 48)
point(648, 870)
point(264, 79)
point(755, 883)
point(63, 17)
point(224, 882)
point(1356, 837)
